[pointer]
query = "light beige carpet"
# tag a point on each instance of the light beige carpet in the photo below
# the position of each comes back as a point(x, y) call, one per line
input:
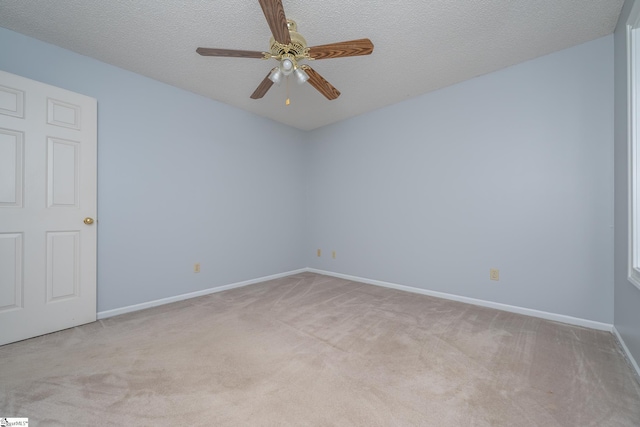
point(319, 351)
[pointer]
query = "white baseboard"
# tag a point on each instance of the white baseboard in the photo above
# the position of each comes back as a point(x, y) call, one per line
point(131, 308)
point(499, 306)
point(626, 351)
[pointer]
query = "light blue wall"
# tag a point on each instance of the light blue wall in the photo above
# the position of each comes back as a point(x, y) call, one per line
point(181, 179)
point(627, 296)
point(512, 170)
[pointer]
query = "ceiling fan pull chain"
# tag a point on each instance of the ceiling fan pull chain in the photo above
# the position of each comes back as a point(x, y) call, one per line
point(288, 101)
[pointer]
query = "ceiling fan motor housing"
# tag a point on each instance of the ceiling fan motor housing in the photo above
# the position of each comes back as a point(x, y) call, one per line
point(297, 48)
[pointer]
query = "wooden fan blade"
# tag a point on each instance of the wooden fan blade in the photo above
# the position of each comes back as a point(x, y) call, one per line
point(323, 86)
point(274, 12)
point(208, 51)
point(262, 88)
point(342, 49)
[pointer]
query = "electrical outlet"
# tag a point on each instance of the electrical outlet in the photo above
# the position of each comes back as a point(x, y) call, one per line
point(494, 274)
point(319, 252)
point(196, 267)
point(333, 254)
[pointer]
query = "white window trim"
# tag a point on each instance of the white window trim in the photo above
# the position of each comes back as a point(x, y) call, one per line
point(633, 147)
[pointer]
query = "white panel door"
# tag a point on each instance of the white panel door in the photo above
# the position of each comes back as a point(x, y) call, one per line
point(48, 162)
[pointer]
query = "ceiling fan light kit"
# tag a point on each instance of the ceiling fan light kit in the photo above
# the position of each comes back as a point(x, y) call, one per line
point(288, 47)
point(288, 66)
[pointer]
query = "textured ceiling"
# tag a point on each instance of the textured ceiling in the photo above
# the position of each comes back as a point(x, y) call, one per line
point(420, 45)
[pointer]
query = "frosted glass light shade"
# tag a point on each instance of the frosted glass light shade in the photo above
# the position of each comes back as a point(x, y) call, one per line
point(286, 66)
point(276, 76)
point(301, 76)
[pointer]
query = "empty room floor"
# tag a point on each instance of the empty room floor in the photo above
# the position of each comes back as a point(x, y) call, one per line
point(315, 350)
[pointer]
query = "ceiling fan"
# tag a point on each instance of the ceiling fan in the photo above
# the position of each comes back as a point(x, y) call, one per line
point(288, 47)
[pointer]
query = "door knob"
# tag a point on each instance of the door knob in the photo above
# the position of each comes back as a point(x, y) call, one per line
point(88, 221)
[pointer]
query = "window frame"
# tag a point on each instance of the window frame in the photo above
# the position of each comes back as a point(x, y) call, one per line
point(633, 137)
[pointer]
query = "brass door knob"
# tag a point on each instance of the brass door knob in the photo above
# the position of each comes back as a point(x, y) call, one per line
point(88, 221)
